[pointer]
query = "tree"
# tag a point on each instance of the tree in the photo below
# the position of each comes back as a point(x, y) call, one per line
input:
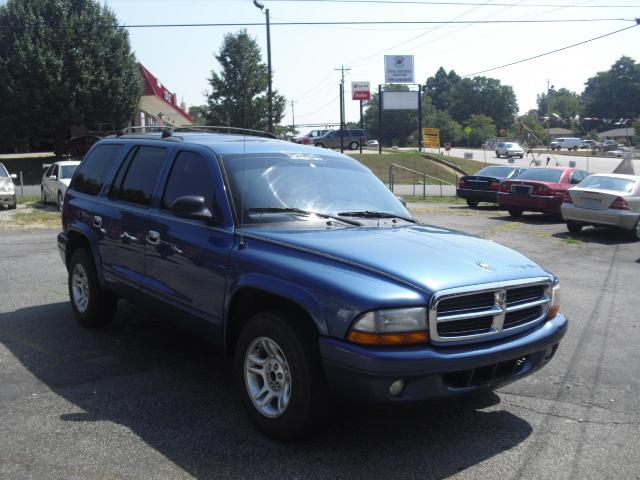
point(615, 93)
point(238, 93)
point(439, 86)
point(483, 95)
point(53, 78)
point(480, 128)
point(199, 114)
point(562, 102)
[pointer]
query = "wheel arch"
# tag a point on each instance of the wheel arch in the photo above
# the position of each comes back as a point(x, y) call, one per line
point(77, 239)
point(249, 299)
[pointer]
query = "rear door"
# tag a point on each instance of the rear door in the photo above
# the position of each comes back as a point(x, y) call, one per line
point(123, 217)
point(186, 260)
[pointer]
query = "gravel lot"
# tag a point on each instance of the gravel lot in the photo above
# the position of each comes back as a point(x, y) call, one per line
point(141, 399)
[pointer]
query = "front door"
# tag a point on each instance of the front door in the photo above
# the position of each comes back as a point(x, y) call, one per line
point(186, 260)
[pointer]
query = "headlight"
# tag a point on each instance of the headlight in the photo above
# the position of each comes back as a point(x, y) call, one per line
point(399, 326)
point(7, 187)
point(555, 299)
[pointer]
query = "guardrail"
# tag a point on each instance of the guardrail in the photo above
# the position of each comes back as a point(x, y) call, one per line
point(415, 175)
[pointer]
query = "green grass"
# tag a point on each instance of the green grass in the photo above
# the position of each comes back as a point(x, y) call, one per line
point(34, 219)
point(571, 241)
point(419, 199)
point(29, 199)
point(469, 166)
point(379, 165)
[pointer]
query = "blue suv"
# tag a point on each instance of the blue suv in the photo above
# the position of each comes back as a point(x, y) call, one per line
point(301, 265)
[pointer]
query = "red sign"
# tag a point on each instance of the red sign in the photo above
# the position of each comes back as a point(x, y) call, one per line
point(360, 91)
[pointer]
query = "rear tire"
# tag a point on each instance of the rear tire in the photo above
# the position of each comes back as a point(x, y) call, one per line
point(497, 155)
point(574, 227)
point(354, 145)
point(515, 212)
point(472, 203)
point(635, 232)
point(277, 360)
point(60, 201)
point(320, 144)
point(92, 306)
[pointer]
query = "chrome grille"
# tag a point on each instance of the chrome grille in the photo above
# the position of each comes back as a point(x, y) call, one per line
point(489, 311)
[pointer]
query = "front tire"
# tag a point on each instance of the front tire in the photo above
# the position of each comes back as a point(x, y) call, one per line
point(515, 212)
point(278, 374)
point(574, 227)
point(43, 196)
point(60, 201)
point(472, 203)
point(320, 144)
point(354, 145)
point(92, 306)
point(497, 155)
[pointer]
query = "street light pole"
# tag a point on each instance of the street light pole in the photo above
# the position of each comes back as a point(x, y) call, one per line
point(269, 87)
point(548, 119)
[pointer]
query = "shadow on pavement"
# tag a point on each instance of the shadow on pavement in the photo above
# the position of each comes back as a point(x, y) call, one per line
point(601, 235)
point(172, 391)
point(532, 218)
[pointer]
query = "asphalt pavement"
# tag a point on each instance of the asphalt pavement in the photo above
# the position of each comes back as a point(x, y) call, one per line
point(141, 399)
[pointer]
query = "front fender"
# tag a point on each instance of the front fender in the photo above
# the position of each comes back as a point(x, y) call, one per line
point(285, 289)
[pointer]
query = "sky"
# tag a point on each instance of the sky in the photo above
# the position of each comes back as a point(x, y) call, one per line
point(304, 58)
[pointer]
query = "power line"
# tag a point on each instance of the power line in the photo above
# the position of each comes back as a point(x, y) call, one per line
point(418, 2)
point(322, 107)
point(553, 51)
point(373, 22)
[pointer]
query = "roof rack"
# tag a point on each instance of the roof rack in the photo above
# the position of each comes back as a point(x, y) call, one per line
point(223, 129)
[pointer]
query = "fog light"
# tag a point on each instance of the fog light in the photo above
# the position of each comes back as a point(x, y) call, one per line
point(396, 388)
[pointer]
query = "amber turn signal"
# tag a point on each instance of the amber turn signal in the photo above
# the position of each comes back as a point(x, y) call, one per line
point(553, 311)
point(377, 339)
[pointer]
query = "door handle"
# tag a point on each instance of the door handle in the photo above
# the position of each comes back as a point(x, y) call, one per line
point(153, 238)
point(97, 221)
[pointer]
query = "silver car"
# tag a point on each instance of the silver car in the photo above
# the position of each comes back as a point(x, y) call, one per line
point(604, 199)
point(7, 188)
point(509, 149)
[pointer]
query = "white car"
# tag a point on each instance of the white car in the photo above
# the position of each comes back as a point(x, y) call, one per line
point(55, 181)
point(509, 149)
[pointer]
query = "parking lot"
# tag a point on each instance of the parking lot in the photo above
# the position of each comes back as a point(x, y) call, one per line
point(141, 399)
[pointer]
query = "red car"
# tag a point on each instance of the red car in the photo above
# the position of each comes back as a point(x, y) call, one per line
point(538, 190)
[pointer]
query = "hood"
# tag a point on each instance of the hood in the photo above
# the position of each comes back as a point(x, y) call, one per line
point(426, 257)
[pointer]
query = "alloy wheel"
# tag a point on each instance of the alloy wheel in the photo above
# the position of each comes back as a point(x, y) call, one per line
point(80, 288)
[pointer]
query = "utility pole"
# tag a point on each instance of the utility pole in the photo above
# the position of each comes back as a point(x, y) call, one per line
point(342, 70)
point(548, 119)
point(293, 115)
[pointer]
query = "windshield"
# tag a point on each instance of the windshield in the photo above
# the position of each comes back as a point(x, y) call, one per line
point(3, 171)
point(311, 182)
point(541, 174)
point(66, 171)
point(512, 145)
point(608, 183)
point(501, 172)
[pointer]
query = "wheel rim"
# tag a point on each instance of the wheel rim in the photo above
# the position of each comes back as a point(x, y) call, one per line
point(267, 377)
point(80, 288)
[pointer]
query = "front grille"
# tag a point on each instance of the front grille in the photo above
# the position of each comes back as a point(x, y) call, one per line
point(488, 311)
point(485, 375)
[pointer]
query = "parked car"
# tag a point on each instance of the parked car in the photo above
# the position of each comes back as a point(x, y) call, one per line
point(570, 143)
point(352, 139)
point(55, 181)
point(509, 149)
point(483, 186)
point(79, 146)
point(604, 200)
point(303, 266)
point(619, 152)
point(539, 189)
point(7, 188)
point(373, 144)
point(308, 138)
point(591, 144)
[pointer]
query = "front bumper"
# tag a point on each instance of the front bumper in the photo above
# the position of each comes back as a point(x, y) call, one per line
point(8, 199)
point(478, 195)
point(533, 203)
point(609, 216)
point(364, 374)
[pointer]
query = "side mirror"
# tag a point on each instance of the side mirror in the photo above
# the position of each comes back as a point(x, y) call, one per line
point(52, 177)
point(192, 206)
point(402, 201)
point(13, 176)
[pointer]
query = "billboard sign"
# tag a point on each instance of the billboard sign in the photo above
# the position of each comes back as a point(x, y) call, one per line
point(431, 137)
point(400, 100)
point(398, 69)
point(360, 91)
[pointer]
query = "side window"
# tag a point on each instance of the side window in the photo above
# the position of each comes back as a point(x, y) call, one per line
point(49, 170)
point(141, 175)
point(93, 170)
point(55, 171)
point(190, 175)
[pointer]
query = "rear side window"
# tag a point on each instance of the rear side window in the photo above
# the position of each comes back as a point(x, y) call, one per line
point(190, 175)
point(94, 169)
point(141, 175)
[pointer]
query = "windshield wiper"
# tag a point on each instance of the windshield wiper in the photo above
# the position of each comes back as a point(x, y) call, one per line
point(299, 211)
point(371, 214)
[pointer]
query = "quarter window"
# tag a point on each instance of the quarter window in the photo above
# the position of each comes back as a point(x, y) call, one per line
point(141, 175)
point(94, 169)
point(190, 175)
